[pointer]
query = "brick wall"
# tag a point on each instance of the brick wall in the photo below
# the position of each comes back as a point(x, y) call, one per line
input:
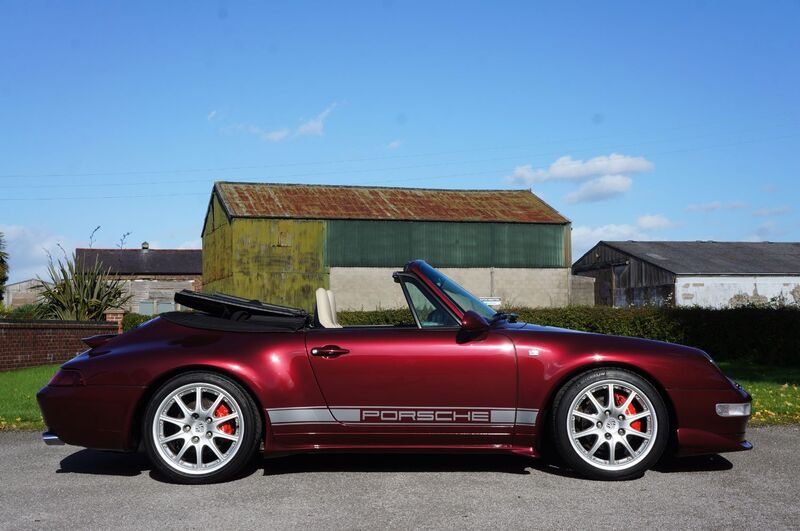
point(30, 343)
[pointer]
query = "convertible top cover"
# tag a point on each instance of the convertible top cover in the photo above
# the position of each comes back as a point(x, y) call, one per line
point(226, 312)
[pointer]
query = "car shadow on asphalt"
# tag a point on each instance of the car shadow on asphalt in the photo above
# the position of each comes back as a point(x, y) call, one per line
point(411, 462)
point(104, 463)
point(97, 462)
point(695, 463)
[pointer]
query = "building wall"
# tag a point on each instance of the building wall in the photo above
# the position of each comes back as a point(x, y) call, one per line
point(725, 291)
point(370, 288)
point(377, 243)
point(20, 293)
point(157, 293)
point(217, 250)
point(581, 291)
point(275, 260)
point(279, 260)
point(621, 280)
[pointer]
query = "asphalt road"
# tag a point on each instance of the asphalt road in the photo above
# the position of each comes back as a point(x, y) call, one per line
point(69, 487)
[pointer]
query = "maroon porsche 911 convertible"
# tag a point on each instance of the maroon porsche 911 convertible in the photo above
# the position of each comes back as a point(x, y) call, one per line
point(201, 391)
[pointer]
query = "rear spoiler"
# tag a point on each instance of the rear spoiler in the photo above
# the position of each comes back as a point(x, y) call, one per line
point(96, 341)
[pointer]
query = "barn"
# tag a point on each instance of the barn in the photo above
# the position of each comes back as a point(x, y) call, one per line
point(695, 273)
point(280, 242)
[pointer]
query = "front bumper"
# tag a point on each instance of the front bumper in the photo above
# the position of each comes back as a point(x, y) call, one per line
point(701, 430)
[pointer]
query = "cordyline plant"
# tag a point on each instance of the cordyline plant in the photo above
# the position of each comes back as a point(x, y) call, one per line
point(79, 292)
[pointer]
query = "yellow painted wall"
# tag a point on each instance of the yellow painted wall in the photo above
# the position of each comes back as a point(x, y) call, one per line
point(280, 261)
point(217, 250)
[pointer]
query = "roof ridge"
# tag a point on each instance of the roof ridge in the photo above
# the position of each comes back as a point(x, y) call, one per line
point(366, 187)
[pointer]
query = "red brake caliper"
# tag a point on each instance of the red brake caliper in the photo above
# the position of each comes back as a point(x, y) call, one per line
point(637, 424)
point(222, 411)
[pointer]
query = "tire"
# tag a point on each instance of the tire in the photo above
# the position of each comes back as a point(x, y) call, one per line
point(206, 444)
point(585, 428)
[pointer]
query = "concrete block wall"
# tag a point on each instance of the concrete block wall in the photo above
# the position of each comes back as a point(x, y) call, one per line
point(31, 343)
point(370, 288)
point(581, 291)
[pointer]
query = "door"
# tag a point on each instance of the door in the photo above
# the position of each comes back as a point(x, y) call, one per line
point(429, 378)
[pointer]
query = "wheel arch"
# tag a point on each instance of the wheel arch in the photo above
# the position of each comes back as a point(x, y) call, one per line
point(135, 434)
point(543, 437)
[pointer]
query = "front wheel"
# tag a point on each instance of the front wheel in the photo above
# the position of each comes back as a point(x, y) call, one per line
point(610, 424)
point(201, 427)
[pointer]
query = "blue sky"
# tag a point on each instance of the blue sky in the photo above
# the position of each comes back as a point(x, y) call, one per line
point(636, 121)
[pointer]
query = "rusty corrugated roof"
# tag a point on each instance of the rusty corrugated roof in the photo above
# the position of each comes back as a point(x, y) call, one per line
point(266, 200)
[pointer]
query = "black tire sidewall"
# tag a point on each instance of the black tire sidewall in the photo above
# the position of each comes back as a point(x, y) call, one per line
point(561, 415)
point(250, 439)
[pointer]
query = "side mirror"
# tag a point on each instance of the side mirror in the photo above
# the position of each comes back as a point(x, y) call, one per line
point(473, 322)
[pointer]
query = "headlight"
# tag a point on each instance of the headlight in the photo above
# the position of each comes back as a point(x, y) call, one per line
point(734, 410)
point(66, 377)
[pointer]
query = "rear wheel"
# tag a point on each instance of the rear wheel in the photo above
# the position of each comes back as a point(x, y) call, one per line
point(610, 424)
point(201, 427)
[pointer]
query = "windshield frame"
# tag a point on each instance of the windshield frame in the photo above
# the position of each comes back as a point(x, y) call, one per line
point(438, 280)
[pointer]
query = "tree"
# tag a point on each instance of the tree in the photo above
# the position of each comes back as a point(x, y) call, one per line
point(3, 265)
point(80, 292)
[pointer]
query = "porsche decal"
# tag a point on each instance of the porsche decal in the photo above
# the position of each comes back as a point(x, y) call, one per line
point(376, 415)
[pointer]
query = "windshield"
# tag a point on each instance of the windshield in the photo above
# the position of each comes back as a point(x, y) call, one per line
point(461, 297)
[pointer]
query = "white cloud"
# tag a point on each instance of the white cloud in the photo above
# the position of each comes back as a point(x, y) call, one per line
point(316, 125)
point(653, 221)
point(197, 243)
point(715, 205)
point(276, 136)
point(584, 237)
point(27, 249)
point(599, 189)
point(766, 212)
point(265, 135)
point(764, 231)
point(704, 207)
point(394, 144)
point(567, 168)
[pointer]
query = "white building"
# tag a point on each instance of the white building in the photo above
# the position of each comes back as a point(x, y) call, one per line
point(699, 273)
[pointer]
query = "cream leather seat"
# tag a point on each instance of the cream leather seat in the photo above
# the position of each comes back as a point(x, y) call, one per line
point(326, 309)
point(333, 309)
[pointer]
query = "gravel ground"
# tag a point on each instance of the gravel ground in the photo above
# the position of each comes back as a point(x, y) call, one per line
point(69, 487)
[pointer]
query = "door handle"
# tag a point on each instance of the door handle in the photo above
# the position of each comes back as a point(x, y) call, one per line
point(328, 350)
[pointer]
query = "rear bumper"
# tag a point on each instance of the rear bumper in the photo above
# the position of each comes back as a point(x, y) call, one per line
point(92, 416)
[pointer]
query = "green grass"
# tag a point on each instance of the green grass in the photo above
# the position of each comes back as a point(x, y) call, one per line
point(18, 407)
point(775, 390)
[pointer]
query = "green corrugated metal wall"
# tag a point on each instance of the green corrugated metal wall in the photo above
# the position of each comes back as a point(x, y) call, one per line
point(351, 243)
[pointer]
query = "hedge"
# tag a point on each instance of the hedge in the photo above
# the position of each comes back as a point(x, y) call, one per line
point(759, 335)
point(132, 320)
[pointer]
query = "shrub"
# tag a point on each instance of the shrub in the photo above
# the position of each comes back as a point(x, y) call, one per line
point(80, 293)
point(132, 320)
point(758, 334)
point(26, 312)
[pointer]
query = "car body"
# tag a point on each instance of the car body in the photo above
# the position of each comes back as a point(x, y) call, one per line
point(461, 379)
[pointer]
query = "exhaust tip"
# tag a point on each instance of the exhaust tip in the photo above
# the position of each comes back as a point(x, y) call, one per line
point(51, 439)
